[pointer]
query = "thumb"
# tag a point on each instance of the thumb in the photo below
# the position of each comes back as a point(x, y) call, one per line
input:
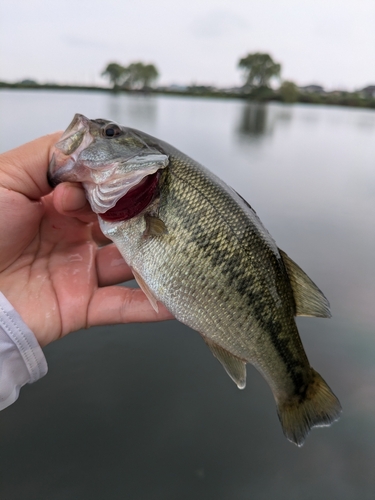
point(24, 169)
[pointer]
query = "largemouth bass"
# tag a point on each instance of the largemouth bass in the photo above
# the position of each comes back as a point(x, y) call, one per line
point(198, 247)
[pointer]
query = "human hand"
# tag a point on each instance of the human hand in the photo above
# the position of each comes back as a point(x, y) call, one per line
point(52, 268)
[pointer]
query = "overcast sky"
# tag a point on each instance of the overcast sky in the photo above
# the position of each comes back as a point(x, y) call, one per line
point(329, 42)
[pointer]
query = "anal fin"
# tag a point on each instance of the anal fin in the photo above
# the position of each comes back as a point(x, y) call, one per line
point(235, 367)
point(144, 287)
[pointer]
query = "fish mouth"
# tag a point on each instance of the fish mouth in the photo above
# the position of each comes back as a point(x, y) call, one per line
point(74, 140)
point(117, 188)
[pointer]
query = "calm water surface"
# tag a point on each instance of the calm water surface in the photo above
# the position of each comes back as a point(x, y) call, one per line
point(145, 411)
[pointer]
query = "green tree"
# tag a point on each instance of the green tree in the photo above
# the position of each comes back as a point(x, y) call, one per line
point(115, 73)
point(139, 75)
point(289, 91)
point(259, 69)
point(150, 74)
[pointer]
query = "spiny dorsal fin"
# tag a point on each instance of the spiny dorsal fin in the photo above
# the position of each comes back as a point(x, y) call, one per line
point(310, 301)
point(235, 367)
point(145, 289)
point(154, 226)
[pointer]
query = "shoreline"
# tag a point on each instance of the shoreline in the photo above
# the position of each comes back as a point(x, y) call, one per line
point(262, 95)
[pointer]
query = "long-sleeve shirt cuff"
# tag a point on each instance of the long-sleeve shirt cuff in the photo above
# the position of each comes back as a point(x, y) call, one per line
point(21, 359)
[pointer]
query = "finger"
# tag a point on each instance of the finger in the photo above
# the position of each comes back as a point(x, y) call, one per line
point(111, 267)
point(115, 304)
point(69, 199)
point(98, 236)
point(24, 169)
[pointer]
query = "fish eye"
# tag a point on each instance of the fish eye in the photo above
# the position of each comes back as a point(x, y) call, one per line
point(111, 130)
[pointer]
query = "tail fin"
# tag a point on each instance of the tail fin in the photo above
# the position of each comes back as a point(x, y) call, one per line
point(318, 407)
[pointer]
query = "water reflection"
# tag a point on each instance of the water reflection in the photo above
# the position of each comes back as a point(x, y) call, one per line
point(253, 119)
point(257, 120)
point(139, 111)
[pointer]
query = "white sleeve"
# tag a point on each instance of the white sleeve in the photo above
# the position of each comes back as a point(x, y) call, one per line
point(21, 359)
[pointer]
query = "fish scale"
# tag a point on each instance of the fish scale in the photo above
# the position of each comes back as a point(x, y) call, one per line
point(201, 250)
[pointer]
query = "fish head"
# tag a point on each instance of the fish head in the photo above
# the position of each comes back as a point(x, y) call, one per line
point(118, 167)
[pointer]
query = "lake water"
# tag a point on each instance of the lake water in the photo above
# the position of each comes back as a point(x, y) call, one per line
point(144, 411)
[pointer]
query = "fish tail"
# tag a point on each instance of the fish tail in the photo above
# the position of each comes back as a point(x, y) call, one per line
point(316, 407)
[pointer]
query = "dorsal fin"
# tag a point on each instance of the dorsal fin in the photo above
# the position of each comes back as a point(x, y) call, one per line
point(235, 367)
point(309, 300)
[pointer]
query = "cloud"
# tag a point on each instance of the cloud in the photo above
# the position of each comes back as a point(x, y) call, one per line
point(78, 41)
point(218, 23)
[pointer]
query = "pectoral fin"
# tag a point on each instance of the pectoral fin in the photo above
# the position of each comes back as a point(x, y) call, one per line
point(309, 300)
point(154, 226)
point(144, 287)
point(235, 367)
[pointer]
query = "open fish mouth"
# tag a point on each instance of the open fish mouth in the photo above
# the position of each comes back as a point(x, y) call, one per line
point(117, 188)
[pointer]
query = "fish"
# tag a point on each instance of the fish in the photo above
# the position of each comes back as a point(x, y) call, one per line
point(196, 246)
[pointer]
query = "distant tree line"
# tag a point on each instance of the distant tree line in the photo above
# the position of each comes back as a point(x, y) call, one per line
point(259, 72)
point(258, 69)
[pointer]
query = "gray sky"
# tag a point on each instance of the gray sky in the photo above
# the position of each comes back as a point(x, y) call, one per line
point(329, 42)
